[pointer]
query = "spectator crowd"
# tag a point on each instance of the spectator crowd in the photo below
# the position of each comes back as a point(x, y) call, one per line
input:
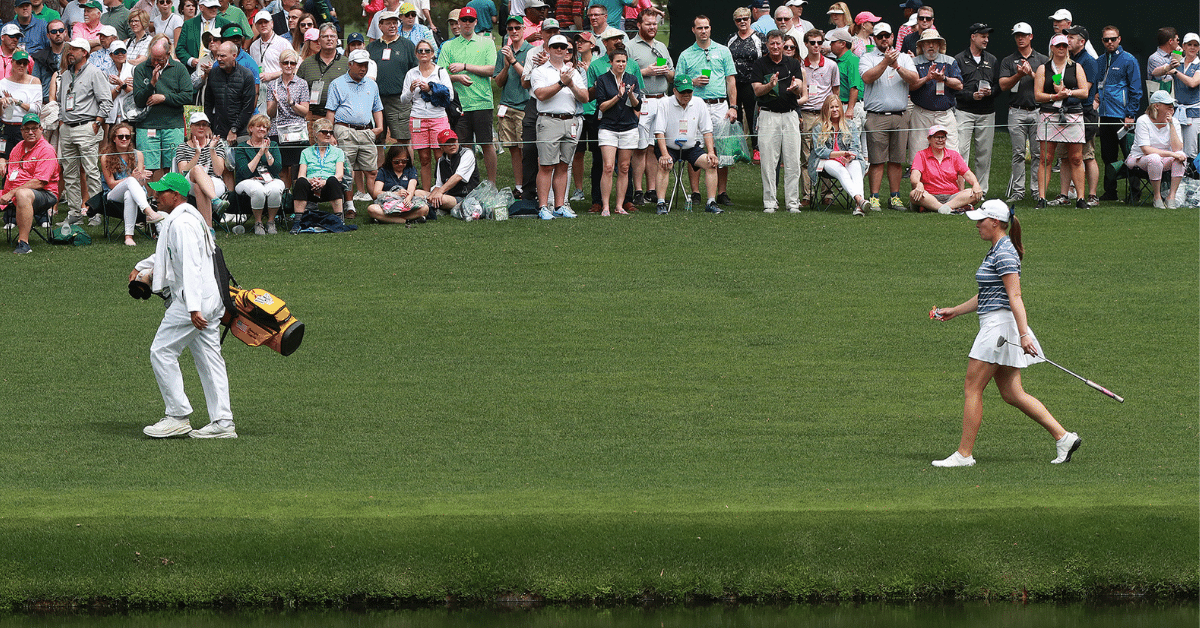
point(268, 109)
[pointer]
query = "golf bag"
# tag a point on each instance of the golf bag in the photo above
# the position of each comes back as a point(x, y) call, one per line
point(256, 317)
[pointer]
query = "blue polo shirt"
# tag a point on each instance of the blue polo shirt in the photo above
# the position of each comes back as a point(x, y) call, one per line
point(353, 102)
point(248, 62)
point(926, 96)
point(1090, 69)
point(33, 36)
point(765, 24)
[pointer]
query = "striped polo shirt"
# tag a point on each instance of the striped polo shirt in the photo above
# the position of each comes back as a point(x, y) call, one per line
point(1001, 260)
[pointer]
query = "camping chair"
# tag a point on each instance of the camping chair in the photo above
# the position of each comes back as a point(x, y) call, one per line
point(41, 224)
point(827, 192)
point(113, 212)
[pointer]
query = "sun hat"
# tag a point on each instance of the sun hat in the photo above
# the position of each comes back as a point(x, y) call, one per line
point(21, 55)
point(931, 34)
point(172, 182)
point(453, 16)
point(611, 33)
point(994, 208)
point(408, 7)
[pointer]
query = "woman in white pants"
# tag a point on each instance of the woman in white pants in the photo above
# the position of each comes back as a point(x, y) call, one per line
point(257, 165)
point(124, 177)
point(836, 150)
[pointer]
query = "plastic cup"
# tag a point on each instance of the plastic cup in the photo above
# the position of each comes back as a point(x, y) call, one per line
point(870, 47)
point(239, 229)
point(1057, 78)
point(706, 73)
point(660, 62)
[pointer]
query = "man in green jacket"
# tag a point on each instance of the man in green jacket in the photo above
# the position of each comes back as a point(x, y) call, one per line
point(189, 46)
point(163, 86)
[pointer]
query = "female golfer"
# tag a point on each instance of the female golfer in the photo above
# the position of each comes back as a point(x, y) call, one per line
point(1001, 313)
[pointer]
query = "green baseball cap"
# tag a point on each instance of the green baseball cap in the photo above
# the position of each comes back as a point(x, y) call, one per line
point(93, 5)
point(232, 30)
point(174, 182)
point(31, 117)
point(20, 55)
point(683, 83)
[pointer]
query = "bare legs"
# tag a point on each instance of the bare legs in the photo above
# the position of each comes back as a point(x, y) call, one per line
point(1008, 380)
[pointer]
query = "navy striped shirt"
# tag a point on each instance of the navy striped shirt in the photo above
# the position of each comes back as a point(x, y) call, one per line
point(1001, 260)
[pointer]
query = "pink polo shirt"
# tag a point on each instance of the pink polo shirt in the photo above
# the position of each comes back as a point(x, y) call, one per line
point(81, 29)
point(40, 163)
point(940, 177)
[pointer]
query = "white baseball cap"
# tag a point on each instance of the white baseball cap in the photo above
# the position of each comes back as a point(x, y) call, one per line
point(80, 43)
point(388, 15)
point(198, 117)
point(1022, 28)
point(1061, 14)
point(210, 3)
point(795, 3)
point(117, 45)
point(359, 56)
point(108, 31)
point(558, 39)
point(1191, 37)
point(263, 15)
point(11, 29)
point(883, 27)
point(994, 208)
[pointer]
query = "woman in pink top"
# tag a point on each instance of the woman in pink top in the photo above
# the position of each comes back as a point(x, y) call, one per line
point(935, 172)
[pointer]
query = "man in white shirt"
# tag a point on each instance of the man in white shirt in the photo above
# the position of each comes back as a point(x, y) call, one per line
point(685, 119)
point(560, 89)
point(887, 75)
point(265, 48)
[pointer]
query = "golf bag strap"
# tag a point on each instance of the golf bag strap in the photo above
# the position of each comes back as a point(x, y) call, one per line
point(224, 280)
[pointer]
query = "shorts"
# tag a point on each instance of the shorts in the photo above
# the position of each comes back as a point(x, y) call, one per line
point(1068, 130)
point(475, 127)
point(359, 146)
point(395, 117)
point(159, 150)
point(43, 201)
point(1089, 150)
point(692, 155)
point(646, 122)
point(887, 138)
point(509, 128)
point(993, 325)
point(623, 140)
point(556, 139)
point(425, 131)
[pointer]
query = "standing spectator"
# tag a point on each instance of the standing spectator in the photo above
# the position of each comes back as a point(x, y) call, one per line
point(121, 81)
point(560, 90)
point(281, 15)
point(799, 24)
point(414, 32)
point(933, 94)
point(887, 75)
point(395, 56)
point(266, 48)
point(836, 151)
point(73, 13)
point(322, 169)
point(760, 17)
point(745, 46)
point(936, 171)
point(850, 85)
point(288, 105)
point(975, 114)
point(356, 111)
point(163, 86)
point(618, 96)
point(570, 12)
point(204, 159)
point(532, 19)
point(190, 47)
point(598, 23)
point(229, 95)
point(471, 59)
point(165, 21)
point(863, 30)
point(391, 6)
point(457, 174)
point(537, 56)
point(910, 21)
point(45, 13)
point(33, 30)
point(1016, 76)
point(320, 70)
point(20, 93)
point(591, 116)
point(778, 84)
point(711, 69)
point(686, 121)
point(510, 115)
point(257, 166)
point(1060, 87)
point(615, 10)
point(823, 80)
point(1162, 63)
point(233, 33)
point(124, 177)
point(1077, 37)
point(10, 43)
point(485, 14)
point(116, 16)
point(234, 15)
point(658, 71)
point(1158, 146)
point(138, 45)
point(1187, 93)
point(924, 23)
point(31, 180)
point(1060, 22)
point(1120, 95)
point(428, 90)
point(48, 60)
point(84, 101)
point(786, 23)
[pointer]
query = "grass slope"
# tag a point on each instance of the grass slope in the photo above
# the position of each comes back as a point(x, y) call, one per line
point(603, 408)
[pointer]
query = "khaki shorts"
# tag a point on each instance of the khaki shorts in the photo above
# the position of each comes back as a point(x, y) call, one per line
point(359, 147)
point(556, 139)
point(395, 117)
point(1089, 151)
point(509, 127)
point(887, 138)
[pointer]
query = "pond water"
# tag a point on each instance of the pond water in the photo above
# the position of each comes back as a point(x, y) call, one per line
point(973, 614)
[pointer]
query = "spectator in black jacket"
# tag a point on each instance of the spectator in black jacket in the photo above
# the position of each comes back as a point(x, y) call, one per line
point(976, 102)
point(229, 95)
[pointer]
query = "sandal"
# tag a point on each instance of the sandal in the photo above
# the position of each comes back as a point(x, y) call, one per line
point(152, 216)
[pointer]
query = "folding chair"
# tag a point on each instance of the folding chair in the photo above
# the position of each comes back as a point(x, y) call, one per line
point(828, 187)
point(114, 212)
point(1138, 190)
point(41, 224)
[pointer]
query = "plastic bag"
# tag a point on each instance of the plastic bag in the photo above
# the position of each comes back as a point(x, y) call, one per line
point(729, 142)
point(1189, 193)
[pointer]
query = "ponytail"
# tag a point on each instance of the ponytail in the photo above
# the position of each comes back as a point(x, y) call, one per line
point(1014, 234)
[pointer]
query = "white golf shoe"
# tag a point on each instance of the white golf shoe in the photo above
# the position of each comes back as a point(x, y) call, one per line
point(215, 430)
point(1066, 446)
point(168, 427)
point(955, 460)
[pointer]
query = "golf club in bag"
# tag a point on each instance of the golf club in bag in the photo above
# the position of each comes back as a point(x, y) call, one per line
point(1002, 340)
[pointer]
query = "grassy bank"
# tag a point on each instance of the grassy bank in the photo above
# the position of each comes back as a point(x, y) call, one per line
point(601, 409)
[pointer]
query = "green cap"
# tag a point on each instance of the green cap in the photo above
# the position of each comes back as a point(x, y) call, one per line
point(232, 30)
point(683, 83)
point(93, 5)
point(31, 117)
point(20, 55)
point(174, 182)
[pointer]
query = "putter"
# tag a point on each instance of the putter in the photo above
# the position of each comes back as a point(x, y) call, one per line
point(1119, 398)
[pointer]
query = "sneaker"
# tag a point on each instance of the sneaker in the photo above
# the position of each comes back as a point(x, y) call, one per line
point(545, 214)
point(1081, 204)
point(259, 229)
point(768, 210)
point(564, 212)
point(214, 430)
point(651, 196)
point(896, 204)
point(757, 157)
point(639, 197)
point(1014, 199)
point(1059, 201)
point(350, 213)
point(662, 208)
point(295, 226)
point(712, 208)
point(858, 211)
point(1173, 203)
point(875, 206)
point(578, 195)
point(362, 196)
point(271, 229)
point(1066, 446)
point(8, 226)
point(95, 221)
point(695, 198)
point(22, 248)
point(723, 199)
point(220, 205)
point(1159, 204)
point(1041, 204)
point(955, 460)
point(167, 427)
point(75, 217)
point(1093, 200)
point(945, 210)
point(793, 210)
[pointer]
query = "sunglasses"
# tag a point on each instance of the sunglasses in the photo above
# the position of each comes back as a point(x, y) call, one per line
point(325, 132)
point(425, 51)
point(466, 20)
point(411, 14)
point(287, 63)
point(123, 136)
point(399, 162)
point(1109, 39)
point(741, 19)
point(56, 31)
point(924, 19)
point(815, 43)
point(515, 28)
point(789, 47)
point(306, 25)
point(558, 47)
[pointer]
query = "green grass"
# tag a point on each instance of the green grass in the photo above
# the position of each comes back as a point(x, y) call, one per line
point(600, 409)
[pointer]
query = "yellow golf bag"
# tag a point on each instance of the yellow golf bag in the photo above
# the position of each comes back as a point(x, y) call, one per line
point(261, 318)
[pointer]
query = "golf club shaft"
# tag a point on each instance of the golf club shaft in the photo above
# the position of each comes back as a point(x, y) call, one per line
point(1081, 378)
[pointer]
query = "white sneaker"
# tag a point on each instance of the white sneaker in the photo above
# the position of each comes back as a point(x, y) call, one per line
point(1066, 446)
point(945, 210)
point(214, 430)
point(95, 221)
point(168, 427)
point(768, 210)
point(1173, 203)
point(1159, 204)
point(955, 460)
point(362, 196)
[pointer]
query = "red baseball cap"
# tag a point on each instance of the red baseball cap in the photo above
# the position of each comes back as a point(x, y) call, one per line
point(467, 12)
point(447, 136)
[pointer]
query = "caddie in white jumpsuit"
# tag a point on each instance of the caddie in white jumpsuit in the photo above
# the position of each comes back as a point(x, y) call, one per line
point(183, 266)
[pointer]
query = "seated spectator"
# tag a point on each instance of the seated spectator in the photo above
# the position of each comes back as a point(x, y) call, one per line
point(31, 180)
point(935, 173)
point(457, 174)
point(288, 105)
point(618, 98)
point(20, 93)
point(123, 175)
point(322, 166)
point(203, 160)
point(257, 164)
point(837, 151)
point(394, 190)
point(428, 89)
point(687, 121)
point(1158, 145)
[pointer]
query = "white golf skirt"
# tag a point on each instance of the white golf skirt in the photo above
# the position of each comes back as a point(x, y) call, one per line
point(993, 325)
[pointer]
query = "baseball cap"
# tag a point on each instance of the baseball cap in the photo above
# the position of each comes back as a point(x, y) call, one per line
point(108, 30)
point(760, 4)
point(359, 56)
point(1061, 14)
point(23, 2)
point(911, 4)
point(994, 208)
point(683, 83)
point(1191, 37)
point(96, 5)
point(867, 16)
point(80, 43)
point(453, 16)
point(263, 15)
point(795, 3)
point(1058, 39)
point(467, 12)
point(1022, 28)
point(21, 55)
point(937, 128)
point(840, 34)
point(388, 15)
point(198, 117)
point(355, 37)
point(12, 30)
point(116, 45)
point(520, 20)
point(558, 39)
point(31, 117)
point(173, 182)
point(231, 30)
point(536, 4)
point(447, 136)
point(210, 3)
point(1162, 97)
point(1077, 30)
point(407, 7)
point(883, 27)
point(979, 28)
point(611, 33)
point(549, 23)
